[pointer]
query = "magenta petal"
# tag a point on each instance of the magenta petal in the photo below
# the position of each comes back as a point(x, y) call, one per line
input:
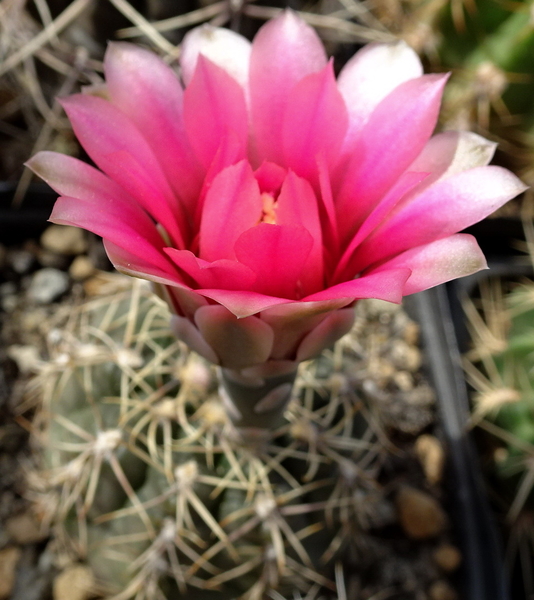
point(270, 177)
point(232, 205)
point(452, 152)
point(438, 262)
point(111, 223)
point(214, 105)
point(277, 254)
point(394, 135)
point(406, 183)
point(225, 274)
point(133, 263)
point(184, 301)
point(239, 343)
point(119, 149)
point(224, 47)
point(386, 285)
point(123, 167)
point(284, 51)
point(315, 122)
point(185, 331)
point(229, 153)
point(291, 326)
point(441, 210)
point(292, 322)
point(289, 329)
point(370, 75)
point(242, 304)
point(71, 177)
point(297, 204)
point(333, 327)
point(328, 215)
point(291, 313)
point(149, 93)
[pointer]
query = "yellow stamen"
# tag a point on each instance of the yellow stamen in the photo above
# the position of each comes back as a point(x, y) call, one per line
point(268, 208)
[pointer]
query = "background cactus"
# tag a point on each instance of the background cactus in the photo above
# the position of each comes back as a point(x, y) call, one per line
point(500, 369)
point(143, 477)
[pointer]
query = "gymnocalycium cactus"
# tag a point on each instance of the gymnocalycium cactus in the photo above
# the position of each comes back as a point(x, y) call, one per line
point(145, 477)
point(263, 200)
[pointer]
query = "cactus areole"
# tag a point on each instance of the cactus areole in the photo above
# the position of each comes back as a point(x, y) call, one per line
point(264, 197)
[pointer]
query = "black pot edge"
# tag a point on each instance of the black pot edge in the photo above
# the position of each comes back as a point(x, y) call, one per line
point(482, 575)
point(28, 220)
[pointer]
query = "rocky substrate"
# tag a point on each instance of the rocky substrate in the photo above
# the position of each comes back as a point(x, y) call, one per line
point(411, 555)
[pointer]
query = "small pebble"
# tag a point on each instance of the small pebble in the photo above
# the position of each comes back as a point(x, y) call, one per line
point(24, 529)
point(9, 558)
point(51, 259)
point(8, 296)
point(431, 456)
point(441, 590)
point(47, 285)
point(405, 357)
point(411, 333)
point(381, 370)
point(403, 380)
point(21, 261)
point(420, 515)
point(8, 289)
point(74, 583)
point(9, 303)
point(447, 557)
point(81, 268)
point(63, 239)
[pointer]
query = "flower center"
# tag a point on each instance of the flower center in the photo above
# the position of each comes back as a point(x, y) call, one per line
point(269, 206)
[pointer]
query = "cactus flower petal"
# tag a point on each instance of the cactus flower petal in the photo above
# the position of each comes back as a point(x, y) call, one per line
point(265, 197)
point(223, 47)
point(237, 343)
point(149, 93)
point(334, 326)
point(214, 105)
point(370, 75)
point(439, 262)
point(469, 197)
point(284, 51)
point(387, 146)
point(452, 152)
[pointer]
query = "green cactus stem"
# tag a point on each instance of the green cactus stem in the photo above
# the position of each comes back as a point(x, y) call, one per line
point(256, 405)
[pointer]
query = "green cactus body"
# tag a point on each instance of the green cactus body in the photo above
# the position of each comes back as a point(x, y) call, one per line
point(156, 490)
point(492, 81)
point(506, 396)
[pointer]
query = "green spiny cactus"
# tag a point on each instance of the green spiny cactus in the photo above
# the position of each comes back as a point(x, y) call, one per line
point(501, 369)
point(145, 477)
point(488, 47)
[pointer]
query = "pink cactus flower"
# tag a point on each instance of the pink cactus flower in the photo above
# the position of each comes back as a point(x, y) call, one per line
point(267, 197)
